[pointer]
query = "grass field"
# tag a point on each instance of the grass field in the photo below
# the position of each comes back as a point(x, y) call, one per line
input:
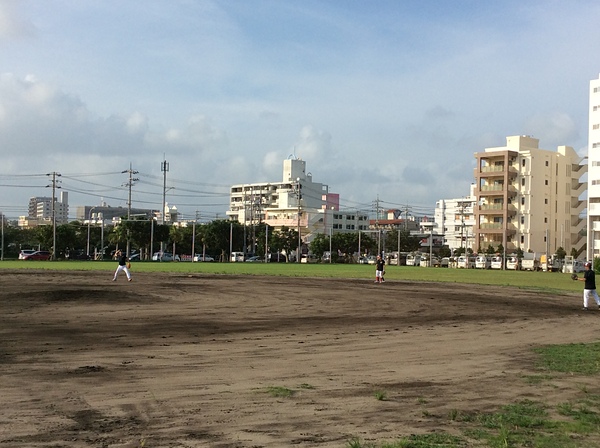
point(523, 279)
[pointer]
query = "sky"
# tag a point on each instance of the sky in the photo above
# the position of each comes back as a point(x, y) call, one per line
point(386, 100)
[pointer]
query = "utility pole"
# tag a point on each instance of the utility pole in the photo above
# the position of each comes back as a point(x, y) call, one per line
point(2, 255)
point(129, 184)
point(377, 225)
point(299, 197)
point(194, 237)
point(164, 167)
point(54, 175)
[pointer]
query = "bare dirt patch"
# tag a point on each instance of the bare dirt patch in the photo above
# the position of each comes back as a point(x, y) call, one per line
point(187, 361)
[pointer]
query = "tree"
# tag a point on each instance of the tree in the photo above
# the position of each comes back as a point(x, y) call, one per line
point(574, 253)
point(561, 253)
point(319, 245)
point(216, 236)
point(520, 253)
point(490, 250)
point(346, 243)
point(408, 243)
point(286, 239)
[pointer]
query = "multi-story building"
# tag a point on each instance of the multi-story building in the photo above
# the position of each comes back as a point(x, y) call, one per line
point(86, 213)
point(40, 211)
point(454, 219)
point(528, 198)
point(593, 206)
point(295, 202)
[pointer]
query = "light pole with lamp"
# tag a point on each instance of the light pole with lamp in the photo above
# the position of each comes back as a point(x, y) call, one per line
point(88, 235)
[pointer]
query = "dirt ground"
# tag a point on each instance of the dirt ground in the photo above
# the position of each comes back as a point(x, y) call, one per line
point(186, 360)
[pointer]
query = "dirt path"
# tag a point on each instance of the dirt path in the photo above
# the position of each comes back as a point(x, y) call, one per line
point(186, 361)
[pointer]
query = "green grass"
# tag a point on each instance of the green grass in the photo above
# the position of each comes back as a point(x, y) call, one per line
point(546, 281)
point(527, 423)
point(280, 391)
point(581, 359)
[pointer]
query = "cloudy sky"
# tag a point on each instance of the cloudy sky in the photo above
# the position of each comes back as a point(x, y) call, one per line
point(385, 99)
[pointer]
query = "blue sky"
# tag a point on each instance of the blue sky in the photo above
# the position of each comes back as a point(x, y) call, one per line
point(382, 99)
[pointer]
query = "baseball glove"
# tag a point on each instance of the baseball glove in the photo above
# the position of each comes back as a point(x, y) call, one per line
point(574, 277)
point(128, 265)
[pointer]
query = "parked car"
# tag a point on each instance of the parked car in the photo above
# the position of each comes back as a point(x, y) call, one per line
point(277, 258)
point(200, 257)
point(363, 260)
point(255, 259)
point(37, 255)
point(166, 256)
point(77, 255)
point(308, 258)
point(445, 262)
point(371, 259)
point(26, 252)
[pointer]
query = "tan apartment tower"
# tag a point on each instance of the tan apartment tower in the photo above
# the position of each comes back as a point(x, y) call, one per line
point(528, 198)
point(593, 206)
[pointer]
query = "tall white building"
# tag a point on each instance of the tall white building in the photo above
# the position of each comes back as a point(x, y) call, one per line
point(294, 202)
point(454, 219)
point(529, 198)
point(40, 210)
point(593, 206)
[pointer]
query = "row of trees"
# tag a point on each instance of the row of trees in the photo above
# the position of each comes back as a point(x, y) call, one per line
point(215, 238)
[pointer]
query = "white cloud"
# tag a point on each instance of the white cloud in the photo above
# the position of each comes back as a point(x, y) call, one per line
point(12, 25)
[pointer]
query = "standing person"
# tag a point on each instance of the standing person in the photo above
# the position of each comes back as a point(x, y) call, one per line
point(380, 263)
point(589, 290)
point(123, 262)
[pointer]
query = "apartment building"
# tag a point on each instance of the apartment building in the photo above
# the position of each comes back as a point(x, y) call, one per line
point(295, 202)
point(455, 220)
point(593, 183)
point(40, 210)
point(528, 198)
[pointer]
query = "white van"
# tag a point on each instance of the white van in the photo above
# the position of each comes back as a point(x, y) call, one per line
point(483, 262)
point(413, 260)
point(237, 256)
point(513, 263)
point(496, 262)
point(462, 262)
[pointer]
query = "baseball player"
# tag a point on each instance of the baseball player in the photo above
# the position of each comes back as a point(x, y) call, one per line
point(589, 290)
point(123, 262)
point(380, 263)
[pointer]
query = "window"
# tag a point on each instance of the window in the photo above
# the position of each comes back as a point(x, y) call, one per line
point(547, 163)
point(523, 182)
point(546, 201)
point(546, 182)
point(522, 219)
point(523, 201)
point(596, 127)
point(545, 220)
point(522, 239)
point(523, 163)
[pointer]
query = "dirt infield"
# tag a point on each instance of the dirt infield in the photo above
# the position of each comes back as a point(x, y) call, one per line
point(187, 361)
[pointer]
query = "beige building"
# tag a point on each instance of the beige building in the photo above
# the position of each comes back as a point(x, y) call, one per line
point(593, 225)
point(528, 198)
point(294, 202)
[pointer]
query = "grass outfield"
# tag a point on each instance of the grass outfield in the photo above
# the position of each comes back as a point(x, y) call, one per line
point(524, 279)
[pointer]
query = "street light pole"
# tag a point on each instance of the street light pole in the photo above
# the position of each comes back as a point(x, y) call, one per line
point(88, 235)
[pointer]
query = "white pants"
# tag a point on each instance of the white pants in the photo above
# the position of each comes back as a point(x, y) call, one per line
point(590, 293)
point(122, 268)
point(378, 274)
